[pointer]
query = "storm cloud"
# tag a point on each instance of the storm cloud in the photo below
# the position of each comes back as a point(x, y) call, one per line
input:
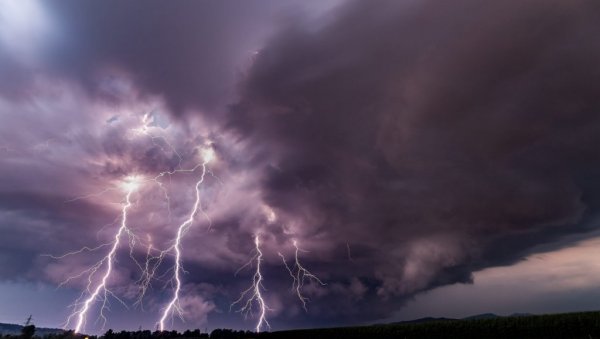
point(433, 141)
point(403, 144)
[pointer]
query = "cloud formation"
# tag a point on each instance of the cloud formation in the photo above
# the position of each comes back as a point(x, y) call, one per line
point(403, 144)
point(435, 142)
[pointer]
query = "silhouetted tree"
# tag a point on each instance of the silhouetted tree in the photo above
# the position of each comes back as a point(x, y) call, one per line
point(28, 330)
point(109, 334)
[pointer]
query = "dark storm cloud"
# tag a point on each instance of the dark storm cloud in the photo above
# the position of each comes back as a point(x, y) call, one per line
point(439, 137)
point(189, 52)
point(404, 144)
point(35, 223)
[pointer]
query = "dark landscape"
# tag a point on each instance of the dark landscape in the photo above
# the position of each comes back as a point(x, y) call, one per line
point(584, 325)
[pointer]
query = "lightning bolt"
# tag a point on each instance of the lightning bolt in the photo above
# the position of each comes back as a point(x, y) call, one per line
point(151, 264)
point(173, 305)
point(101, 292)
point(299, 275)
point(145, 129)
point(254, 293)
point(98, 291)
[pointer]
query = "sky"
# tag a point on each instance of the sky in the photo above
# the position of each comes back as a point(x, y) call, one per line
point(360, 161)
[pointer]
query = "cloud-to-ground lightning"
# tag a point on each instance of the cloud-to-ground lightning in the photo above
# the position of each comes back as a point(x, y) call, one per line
point(299, 275)
point(254, 293)
point(151, 265)
point(154, 257)
point(173, 305)
point(99, 275)
point(101, 291)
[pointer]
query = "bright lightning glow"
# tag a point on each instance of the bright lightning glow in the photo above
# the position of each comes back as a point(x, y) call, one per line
point(101, 292)
point(208, 154)
point(173, 305)
point(254, 294)
point(269, 214)
point(299, 275)
point(131, 183)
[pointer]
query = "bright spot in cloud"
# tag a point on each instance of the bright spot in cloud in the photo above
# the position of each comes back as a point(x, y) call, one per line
point(132, 183)
point(208, 154)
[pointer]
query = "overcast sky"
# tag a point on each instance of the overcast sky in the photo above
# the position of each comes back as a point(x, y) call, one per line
point(427, 158)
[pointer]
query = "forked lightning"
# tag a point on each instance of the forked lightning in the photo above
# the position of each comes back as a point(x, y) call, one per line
point(254, 293)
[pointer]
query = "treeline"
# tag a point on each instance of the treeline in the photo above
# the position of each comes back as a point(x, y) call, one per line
point(585, 325)
point(28, 332)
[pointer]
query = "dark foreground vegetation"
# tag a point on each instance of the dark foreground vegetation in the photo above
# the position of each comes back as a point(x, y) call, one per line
point(584, 325)
point(564, 326)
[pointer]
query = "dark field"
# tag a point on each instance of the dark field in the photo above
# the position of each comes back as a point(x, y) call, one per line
point(567, 325)
point(585, 325)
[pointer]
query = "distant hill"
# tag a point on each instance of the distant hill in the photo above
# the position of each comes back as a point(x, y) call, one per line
point(483, 316)
point(423, 320)
point(16, 329)
point(473, 317)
